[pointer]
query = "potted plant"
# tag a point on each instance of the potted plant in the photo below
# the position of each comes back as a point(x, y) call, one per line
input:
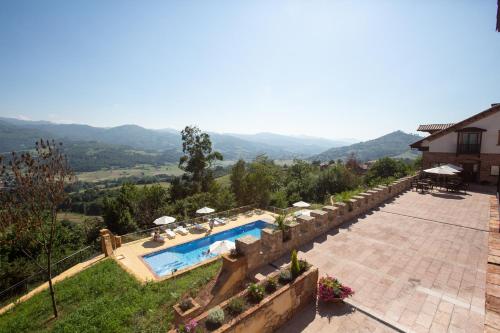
point(331, 290)
point(281, 225)
point(186, 309)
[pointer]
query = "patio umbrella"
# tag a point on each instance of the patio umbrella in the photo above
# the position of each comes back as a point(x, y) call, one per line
point(164, 220)
point(453, 166)
point(220, 247)
point(301, 204)
point(205, 210)
point(442, 170)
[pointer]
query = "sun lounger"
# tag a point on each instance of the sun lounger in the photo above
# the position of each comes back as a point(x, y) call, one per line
point(221, 220)
point(199, 227)
point(170, 233)
point(181, 230)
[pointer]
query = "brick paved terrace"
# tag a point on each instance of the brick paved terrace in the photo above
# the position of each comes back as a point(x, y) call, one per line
point(417, 264)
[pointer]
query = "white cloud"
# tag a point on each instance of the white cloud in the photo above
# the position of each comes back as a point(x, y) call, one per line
point(22, 117)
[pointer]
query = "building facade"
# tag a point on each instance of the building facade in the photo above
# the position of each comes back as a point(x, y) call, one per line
point(473, 144)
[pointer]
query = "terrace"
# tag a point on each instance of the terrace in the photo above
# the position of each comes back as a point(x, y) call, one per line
point(417, 263)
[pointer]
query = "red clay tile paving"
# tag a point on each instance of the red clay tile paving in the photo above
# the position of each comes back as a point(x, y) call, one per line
point(419, 262)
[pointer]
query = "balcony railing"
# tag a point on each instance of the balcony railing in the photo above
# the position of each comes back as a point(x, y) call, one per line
point(466, 148)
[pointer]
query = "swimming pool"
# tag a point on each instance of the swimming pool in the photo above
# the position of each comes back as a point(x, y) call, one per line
point(188, 254)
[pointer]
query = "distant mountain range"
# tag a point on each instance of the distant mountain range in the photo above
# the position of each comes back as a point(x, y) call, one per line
point(91, 148)
point(395, 144)
point(135, 143)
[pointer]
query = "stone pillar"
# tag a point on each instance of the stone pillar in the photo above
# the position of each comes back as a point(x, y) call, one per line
point(333, 213)
point(118, 241)
point(295, 240)
point(373, 201)
point(249, 247)
point(342, 211)
point(272, 243)
point(321, 218)
point(306, 227)
point(106, 244)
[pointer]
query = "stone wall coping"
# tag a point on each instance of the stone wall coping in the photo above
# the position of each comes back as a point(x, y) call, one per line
point(305, 218)
point(318, 212)
point(247, 239)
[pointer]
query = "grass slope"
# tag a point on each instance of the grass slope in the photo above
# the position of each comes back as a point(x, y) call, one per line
point(104, 298)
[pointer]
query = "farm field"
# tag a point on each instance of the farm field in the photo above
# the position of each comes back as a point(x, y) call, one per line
point(137, 171)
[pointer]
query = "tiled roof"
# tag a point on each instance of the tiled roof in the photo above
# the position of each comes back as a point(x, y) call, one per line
point(433, 127)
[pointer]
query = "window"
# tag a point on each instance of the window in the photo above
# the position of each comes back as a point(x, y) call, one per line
point(495, 170)
point(469, 142)
point(469, 138)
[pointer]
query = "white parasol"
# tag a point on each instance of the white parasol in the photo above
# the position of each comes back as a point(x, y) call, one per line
point(220, 247)
point(442, 170)
point(205, 210)
point(301, 204)
point(164, 220)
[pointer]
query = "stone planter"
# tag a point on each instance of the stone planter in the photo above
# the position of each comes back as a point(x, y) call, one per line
point(275, 309)
point(184, 316)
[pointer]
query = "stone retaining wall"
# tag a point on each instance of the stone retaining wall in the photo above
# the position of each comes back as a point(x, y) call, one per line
point(274, 243)
point(274, 310)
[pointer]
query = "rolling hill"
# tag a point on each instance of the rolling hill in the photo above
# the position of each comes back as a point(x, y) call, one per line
point(395, 144)
point(91, 148)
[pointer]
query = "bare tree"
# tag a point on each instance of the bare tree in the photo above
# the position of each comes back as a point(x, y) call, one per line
point(33, 191)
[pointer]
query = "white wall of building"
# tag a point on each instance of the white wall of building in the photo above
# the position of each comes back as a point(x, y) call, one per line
point(448, 143)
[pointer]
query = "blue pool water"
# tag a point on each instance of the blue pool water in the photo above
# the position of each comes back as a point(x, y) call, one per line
point(184, 255)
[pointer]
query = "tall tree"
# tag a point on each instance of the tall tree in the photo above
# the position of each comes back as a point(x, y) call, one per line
point(238, 173)
point(198, 157)
point(33, 191)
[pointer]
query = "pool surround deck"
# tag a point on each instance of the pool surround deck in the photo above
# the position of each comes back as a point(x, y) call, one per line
point(130, 255)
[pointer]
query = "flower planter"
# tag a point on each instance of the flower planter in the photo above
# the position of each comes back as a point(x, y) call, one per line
point(330, 290)
point(183, 316)
point(274, 310)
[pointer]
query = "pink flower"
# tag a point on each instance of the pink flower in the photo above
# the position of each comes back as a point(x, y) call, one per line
point(191, 326)
point(330, 289)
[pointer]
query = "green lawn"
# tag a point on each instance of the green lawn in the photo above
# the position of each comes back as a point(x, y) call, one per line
point(104, 298)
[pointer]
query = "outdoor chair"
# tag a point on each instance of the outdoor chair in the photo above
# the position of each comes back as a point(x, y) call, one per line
point(199, 227)
point(170, 234)
point(181, 230)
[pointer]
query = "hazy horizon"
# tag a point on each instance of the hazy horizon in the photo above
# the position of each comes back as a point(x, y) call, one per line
point(324, 69)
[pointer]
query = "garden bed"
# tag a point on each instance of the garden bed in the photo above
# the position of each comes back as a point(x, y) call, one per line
point(262, 307)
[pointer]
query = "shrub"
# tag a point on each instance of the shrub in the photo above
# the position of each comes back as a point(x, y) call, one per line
point(236, 306)
point(185, 304)
point(304, 265)
point(255, 292)
point(215, 317)
point(271, 285)
point(330, 289)
point(233, 253)
point(285, 276)
point(295, 267)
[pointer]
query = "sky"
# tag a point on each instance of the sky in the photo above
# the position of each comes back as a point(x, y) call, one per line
point(334, 69)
